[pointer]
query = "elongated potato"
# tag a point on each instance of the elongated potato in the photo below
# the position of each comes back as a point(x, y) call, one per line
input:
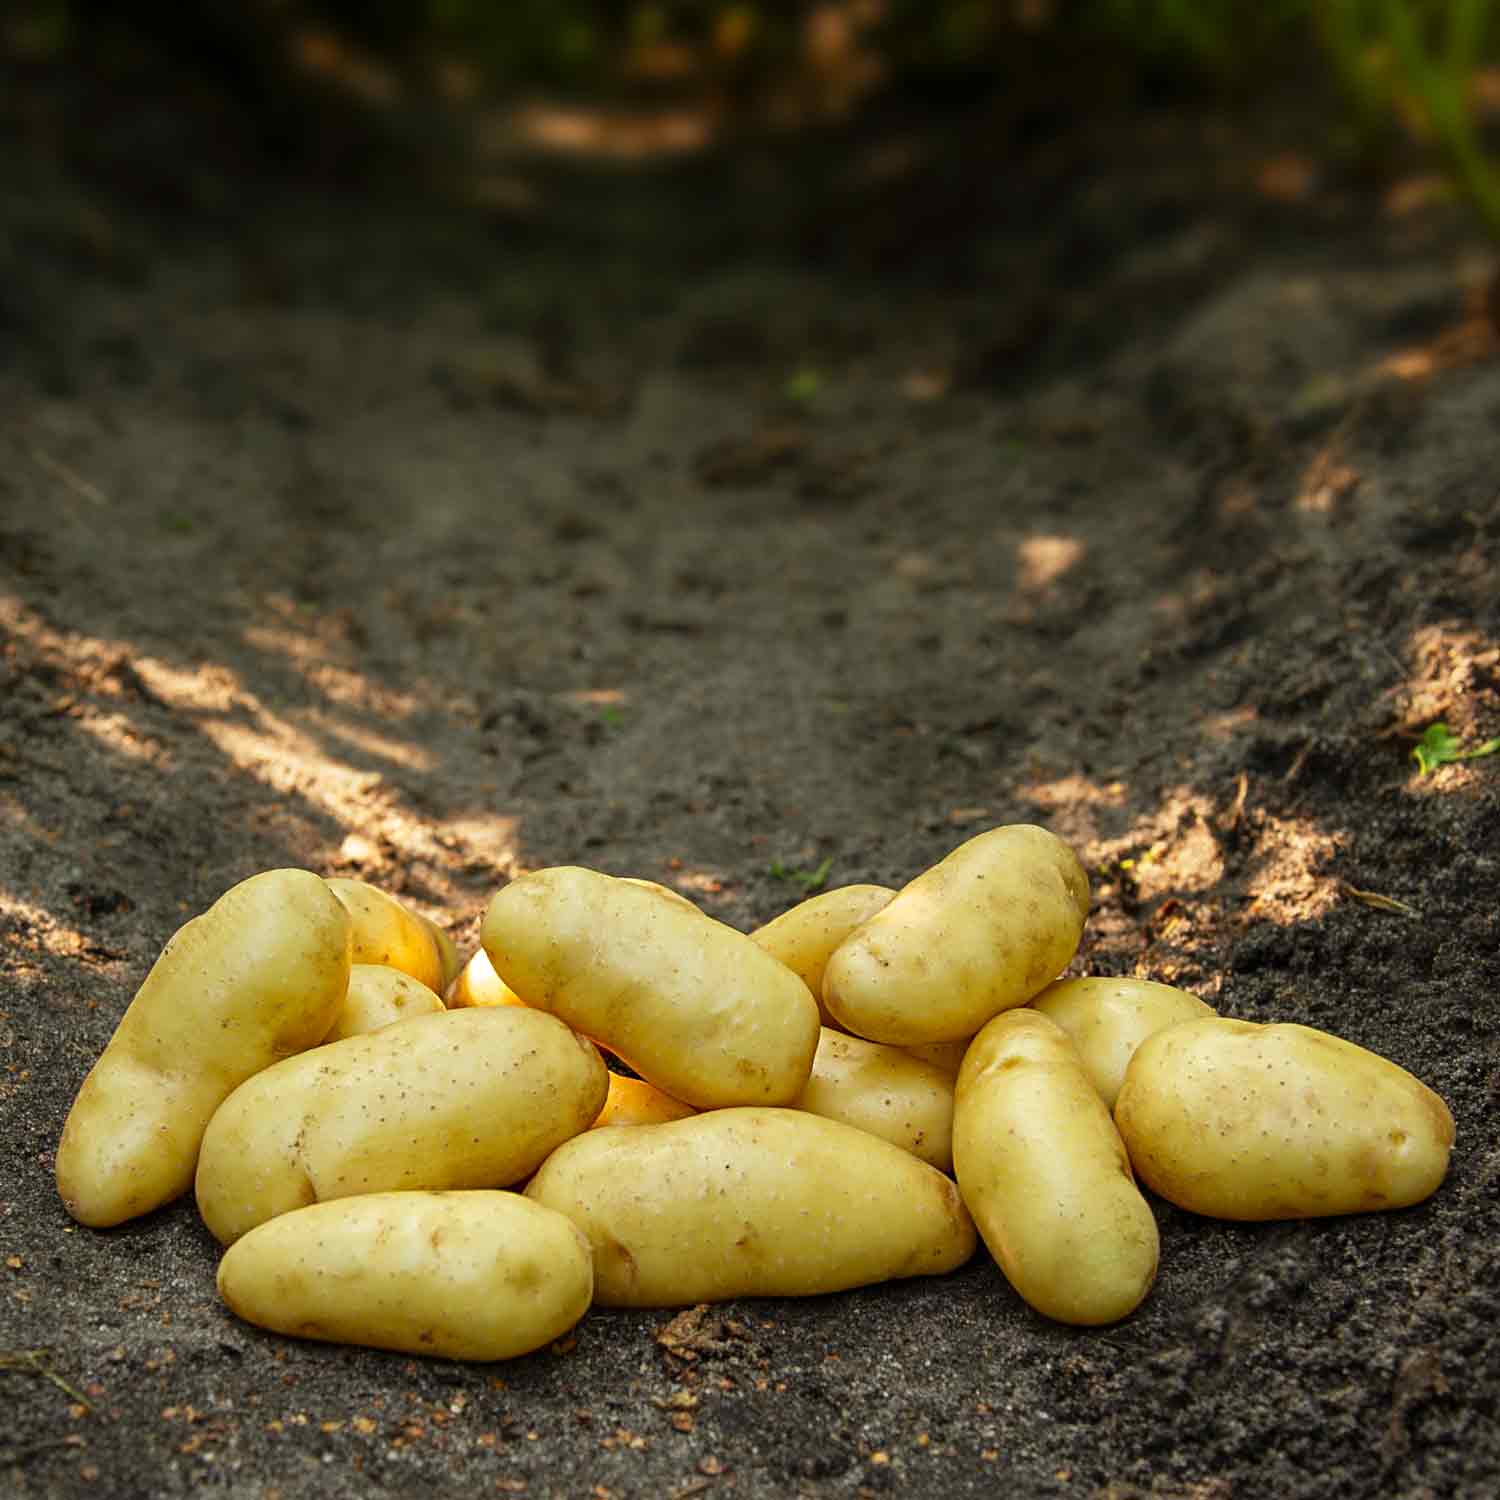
point(980, 932)
point(633, 1101)
point(477, 983)
point(386, 932)
point(750, 1203)
point(449, 959)
point(1109, 1018)
point(663, 890)
point(689, 1003)
point(885, 1091)
point(1045, 1175)
point(805, 937)
point(1244, 1121)
point(379, 995)
point(464, 1099)
point(948, 1056)
point(255, 978)
point(471, 1275)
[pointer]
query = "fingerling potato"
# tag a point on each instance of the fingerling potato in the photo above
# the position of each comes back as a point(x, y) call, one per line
point(386, 932)
point(633, 1101)
point(377, 996)
point(980, 932)
point(885, 1091)
point(1109, 1018)
point(689, 1003)
point(750, 1203)
point(475, 1275)
point(1043, 1170)
point(462, 1099)
point(257, 977)
point(477, 983)
point(1244, 1121)
point(805, 937)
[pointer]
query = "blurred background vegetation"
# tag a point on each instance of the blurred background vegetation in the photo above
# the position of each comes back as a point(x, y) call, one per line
point(374, 72)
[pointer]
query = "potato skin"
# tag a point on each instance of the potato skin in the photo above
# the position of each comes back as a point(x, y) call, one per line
point(751, 1203)
point(449, 959)
point(477, 1275)
point(379, 995)
point(477, 983)
point(257, 977)
point(689, 1003)
point(1045, 1175)
point(885, 1091)
point(805, 937)
point(633, 1101)
point(983, 930)
point(386, 932)
point(462, 1099)
point(1109, 1018)
point(1244, 1121)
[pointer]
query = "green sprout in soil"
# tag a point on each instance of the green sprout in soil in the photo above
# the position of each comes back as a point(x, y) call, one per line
point(809, 880)
point(802, 385)
point(1438, 747)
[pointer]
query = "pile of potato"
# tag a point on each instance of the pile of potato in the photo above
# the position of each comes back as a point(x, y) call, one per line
point(465, 1179)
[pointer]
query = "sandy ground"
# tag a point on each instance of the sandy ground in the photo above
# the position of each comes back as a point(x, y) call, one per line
point(361, 535)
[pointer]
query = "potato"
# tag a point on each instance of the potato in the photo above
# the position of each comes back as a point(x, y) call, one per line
point(464, 1099)
point(663, 890)
point(477, 983)
point(983, 930)
point(633, 1101)
point(448, 955)
point(689, 1003)
point(377, 996)
point(1043, 1171)
point(1245, 1121)
point(884, 1091)
point(1109, 1018)
point(750, 1203)
point(472, 1275)
point(256, 977)
point(949, 1056)
point(386, 932)
point(804, 937)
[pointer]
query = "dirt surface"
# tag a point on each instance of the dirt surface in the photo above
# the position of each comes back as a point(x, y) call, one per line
point(1146, 488)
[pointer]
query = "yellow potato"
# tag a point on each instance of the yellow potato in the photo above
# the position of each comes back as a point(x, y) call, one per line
point(1045, 1175)
point(633, 1101)
point(983, 930)
point(885, 1091)
point(689, 1003)
point(477, 983)
point(1243, 1121)
point(448, 954)
point(949, 1056)
point(1109, 1018)
point(751, 1203)
point(470, 1275)
point(804, 937)
point(463, 1099)
point(386, 932)
point(255, 978)
point(379, 995)
point(662, 890)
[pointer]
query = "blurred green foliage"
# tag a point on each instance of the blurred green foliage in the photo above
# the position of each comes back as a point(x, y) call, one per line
point(1402, 66)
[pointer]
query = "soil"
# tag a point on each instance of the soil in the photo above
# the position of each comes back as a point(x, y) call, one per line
point(716, 524)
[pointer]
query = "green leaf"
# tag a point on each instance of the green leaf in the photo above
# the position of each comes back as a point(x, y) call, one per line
point(1438, 747)
point(809, 880)
point(802, 385)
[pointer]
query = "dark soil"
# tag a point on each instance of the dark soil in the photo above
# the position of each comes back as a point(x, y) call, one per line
point(705, 524)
